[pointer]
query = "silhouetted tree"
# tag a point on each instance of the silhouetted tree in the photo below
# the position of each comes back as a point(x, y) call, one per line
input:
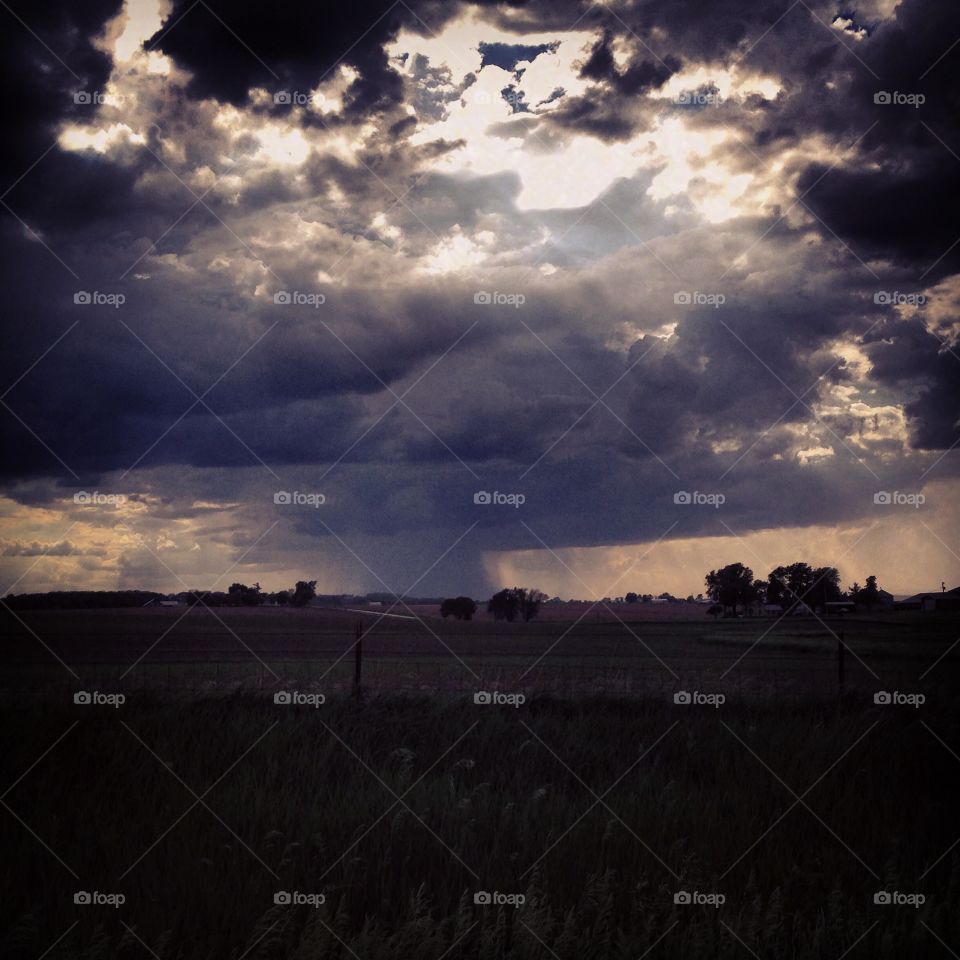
point(503, 605)
point(790, 584)
point(461, 608)
point(870, 594)
point(305, 591)
point(824, 589)
point(730, 585)
point(800, 583)
point(513, 602)
point(248, 596)
point(776, 591)
point(76, 599)
point(631, 597)
point(531, 604)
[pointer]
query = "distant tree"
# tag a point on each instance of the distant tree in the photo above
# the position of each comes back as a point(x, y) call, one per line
point(790, 585)
point(776, 591)
point(631, 597)
point(513, 602)
point(461, 608)
point(800, 583)
point(730, 585)
point(503, 605)
point(89, 599)
point(715, 610)
point(870, 594)
point(282, 598)
point(248, 596)
point(531, 604)
point(824, 589)
point(305, 591)
point(853, 591)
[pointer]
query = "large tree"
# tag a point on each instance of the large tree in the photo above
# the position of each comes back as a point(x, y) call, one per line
point(731, 585)
point(461, 608)
point(513, 602)
point(248, 596)
point(305, 591)
point(824, 589)
point(800, 583)
point(790, 584)
point(869, 596)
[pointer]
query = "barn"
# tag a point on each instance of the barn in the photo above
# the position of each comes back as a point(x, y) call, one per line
point(938, 600)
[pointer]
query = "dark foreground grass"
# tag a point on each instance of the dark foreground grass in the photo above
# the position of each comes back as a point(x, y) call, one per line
point(398, 811)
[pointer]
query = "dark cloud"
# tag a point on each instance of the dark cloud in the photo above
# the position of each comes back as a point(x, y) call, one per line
point(899, 200)
point(638, 77)
point(613, 108)
point(54, 74)
point(590, 114)
point(753, 398)
point(230, 48)
point(46, 58)
point(909, 359)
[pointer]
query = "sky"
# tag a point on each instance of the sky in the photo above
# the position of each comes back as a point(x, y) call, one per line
point(436, 298)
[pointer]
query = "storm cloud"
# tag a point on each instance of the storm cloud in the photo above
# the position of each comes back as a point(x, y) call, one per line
point(691, 250)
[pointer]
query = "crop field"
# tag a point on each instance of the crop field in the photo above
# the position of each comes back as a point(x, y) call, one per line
point(571, 814)
point(223, 649)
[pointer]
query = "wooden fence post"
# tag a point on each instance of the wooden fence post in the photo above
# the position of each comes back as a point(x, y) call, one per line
point(357, 659)
point(841, 651)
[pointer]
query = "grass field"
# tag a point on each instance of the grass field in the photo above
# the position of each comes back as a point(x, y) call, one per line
point(399, 810)
point(200, 799)
point(148, 646)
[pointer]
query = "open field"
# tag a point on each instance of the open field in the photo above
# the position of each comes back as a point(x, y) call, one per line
point(223, 648)
point(588, 806)
point(398, 811)
point(600, 612)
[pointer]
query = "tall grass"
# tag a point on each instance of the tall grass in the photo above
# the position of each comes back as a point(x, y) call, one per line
point(493, 799)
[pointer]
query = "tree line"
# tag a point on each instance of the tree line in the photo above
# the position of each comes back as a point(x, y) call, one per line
point(511, 603)
point(788, 587)
point(242, 595)
point(237, 595)
point(732, 588)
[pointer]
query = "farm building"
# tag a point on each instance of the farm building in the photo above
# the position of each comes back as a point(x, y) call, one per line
point(929, 602)
point(885, 600)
